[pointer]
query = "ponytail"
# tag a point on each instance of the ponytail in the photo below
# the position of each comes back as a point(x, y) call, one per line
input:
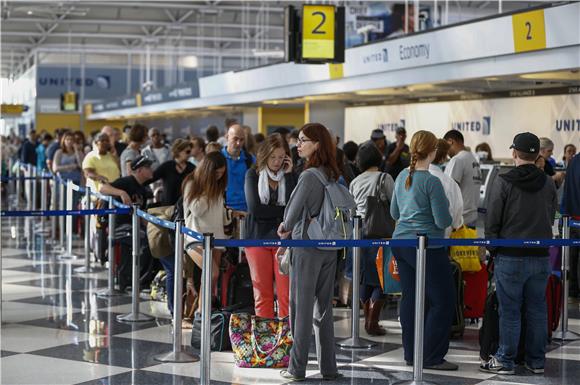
point(409, 181)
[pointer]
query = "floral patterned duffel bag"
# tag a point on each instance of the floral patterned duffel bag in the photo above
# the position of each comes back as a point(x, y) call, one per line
point(260, 342)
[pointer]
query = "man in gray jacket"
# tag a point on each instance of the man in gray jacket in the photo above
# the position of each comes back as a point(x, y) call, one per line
point(522, 205)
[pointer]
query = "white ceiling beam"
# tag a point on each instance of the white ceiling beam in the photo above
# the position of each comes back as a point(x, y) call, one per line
point(174, 5)
point(90, 35)
point(136, 23)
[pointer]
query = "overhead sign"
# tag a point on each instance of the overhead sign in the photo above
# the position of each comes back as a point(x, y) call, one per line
point(69, 101)
point(318, 31)
point(529, 31)
point(13, 109)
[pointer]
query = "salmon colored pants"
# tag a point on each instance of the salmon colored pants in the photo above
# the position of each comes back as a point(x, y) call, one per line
point(264, 269)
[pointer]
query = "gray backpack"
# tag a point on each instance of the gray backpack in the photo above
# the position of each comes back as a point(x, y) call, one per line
point(334, 222)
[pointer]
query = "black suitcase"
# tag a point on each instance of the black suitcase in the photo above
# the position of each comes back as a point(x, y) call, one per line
point(458, 326)
point(489, 331)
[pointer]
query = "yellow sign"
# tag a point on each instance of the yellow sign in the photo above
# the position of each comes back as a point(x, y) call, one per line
point(336, 71)
point(318, 32)
point(13, 109)
point(529, 31)
point(138, 100)
point(70, 101)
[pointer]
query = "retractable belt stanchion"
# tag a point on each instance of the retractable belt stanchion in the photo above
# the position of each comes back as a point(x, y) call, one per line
point(110, 291)
point(87, 268)
point(419, 315)
point(177, 354)
point(355, 342)
point(563, 333)
point(61, 220)
point(18, 185)
point(43, 203)
point(205, 351)
point(53, 206)
point(34, 187)
point(68, 254)
point(135, 316)
point(242, 224)
point(28, 188)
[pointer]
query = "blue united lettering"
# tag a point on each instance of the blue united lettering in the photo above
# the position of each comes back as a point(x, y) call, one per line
point(568, 125)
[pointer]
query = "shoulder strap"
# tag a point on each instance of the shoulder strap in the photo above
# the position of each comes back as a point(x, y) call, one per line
point(320, 175)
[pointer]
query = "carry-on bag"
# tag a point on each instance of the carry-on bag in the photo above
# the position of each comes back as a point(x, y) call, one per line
point(458, 326)
point(475, 292)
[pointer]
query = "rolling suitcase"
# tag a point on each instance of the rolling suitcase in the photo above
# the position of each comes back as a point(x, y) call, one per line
point(475, 292)
point(458, 326)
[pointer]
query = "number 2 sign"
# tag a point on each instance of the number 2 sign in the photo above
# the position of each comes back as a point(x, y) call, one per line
point(318, 26)
point(529, 31)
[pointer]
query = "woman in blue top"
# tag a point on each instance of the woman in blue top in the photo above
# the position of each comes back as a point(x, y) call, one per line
point(419, 205)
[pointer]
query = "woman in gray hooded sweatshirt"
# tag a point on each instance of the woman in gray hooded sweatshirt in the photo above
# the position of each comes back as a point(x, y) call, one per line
point(312, 270)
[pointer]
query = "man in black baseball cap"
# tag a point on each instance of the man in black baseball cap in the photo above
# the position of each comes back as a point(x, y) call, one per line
point(522, 205)
point(131, 190)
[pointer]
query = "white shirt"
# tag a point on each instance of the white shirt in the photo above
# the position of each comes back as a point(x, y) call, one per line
point(453, 194)
point(464, 169)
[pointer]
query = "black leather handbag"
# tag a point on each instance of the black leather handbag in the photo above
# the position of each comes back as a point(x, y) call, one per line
point(378, 222)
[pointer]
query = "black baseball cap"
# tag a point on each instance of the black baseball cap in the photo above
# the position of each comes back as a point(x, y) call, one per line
point(401, 130)
point(377, 134)
point(526, 142)
point(140, 161)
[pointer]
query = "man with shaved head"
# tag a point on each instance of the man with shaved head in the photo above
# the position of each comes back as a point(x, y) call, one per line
point(238, 162)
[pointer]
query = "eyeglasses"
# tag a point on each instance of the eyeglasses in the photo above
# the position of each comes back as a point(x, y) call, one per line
point(302, 141)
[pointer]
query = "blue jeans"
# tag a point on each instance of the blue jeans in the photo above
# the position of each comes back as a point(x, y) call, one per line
point(521, 283)
point(440, 300)
point(168, 264)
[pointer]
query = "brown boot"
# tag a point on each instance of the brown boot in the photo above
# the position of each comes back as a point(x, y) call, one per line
point(373, 327)
point(366, 307)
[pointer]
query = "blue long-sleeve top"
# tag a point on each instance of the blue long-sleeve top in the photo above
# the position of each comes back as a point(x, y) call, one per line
point(423, 208)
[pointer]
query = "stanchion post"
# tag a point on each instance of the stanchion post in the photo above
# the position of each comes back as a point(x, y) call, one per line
point(419, 315)
point(53, 206)
point(68, 254)
point(87, 268)
point(177, 355)
point(18, 185)
point(43, 199)
point(205, 351)
point(34, 187)
point(28, 188)
point(135, 316)
point(110, 291)
point(62, 219)
point(355, 342)
point(563, 334)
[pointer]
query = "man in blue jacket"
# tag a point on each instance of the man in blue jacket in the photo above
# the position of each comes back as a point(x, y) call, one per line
point(238, 161)
point(571, 207)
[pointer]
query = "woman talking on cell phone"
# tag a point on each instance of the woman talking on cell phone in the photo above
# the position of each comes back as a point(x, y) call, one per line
point(268, 186)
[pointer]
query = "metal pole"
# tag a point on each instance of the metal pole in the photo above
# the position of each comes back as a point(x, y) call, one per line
point(34, 187)
point(62, 219)
point(69, 222)
point(419, 315)
point(242, 224)
point(563, 333)
point(177, 355)
point(110, 291)
point(135, 316)
point(87, 268)
point(53, 206)
point(416, 16)
point(500, 6)
point(435, 14)
point(18, 185)
point(406, 26)
point(43, 201)
point(205, 351)
point(355, 342)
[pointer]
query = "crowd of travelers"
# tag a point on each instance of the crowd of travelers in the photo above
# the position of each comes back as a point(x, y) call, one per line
point(275, 185)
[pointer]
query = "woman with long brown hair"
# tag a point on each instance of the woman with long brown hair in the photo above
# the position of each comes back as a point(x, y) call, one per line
point(204, 209)
point(268, 187)
point(419, 205)
point(312, 270)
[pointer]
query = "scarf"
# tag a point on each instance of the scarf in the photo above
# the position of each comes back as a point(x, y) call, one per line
point(264, 187)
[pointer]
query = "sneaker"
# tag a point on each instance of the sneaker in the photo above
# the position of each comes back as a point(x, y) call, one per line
point(289, 376)
point(445, 365)
point(495, 367)
point(534, 370)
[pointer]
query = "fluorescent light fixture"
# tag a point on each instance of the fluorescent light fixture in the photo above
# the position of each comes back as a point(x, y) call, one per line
point(268, 53)
point(189, 61)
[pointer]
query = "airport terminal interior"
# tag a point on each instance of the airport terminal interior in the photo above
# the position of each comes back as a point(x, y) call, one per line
point(119, 117)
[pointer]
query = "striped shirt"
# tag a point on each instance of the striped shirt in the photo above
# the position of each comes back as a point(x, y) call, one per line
point(423, 208)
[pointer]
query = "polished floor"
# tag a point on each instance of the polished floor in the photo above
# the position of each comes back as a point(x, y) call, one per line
point(56, 330)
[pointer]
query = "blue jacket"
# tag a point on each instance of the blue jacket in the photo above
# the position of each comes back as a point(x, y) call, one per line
point(235, 196)
point(571, 197)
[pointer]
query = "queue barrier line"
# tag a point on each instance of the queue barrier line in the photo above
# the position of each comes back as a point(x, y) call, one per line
point(191, 233)
point(58, 213)
point(575, 224)
point(393, 242)
point(9, 178)
point(156, 220)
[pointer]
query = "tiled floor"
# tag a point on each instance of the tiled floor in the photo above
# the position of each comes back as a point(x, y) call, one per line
point(56, 330)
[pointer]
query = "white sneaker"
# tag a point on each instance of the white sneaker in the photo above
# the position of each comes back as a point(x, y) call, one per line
point(496, 367)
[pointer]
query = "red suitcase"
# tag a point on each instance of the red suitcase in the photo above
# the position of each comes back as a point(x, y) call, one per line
point(475, 292)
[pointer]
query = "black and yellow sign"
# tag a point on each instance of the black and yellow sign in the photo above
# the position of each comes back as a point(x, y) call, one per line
point(529, 31)
point(69, 101)
point(13, 109)
point(318, 27)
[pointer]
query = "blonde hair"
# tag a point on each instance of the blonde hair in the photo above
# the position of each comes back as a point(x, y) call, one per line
point(422, 144)
point(180, 145)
